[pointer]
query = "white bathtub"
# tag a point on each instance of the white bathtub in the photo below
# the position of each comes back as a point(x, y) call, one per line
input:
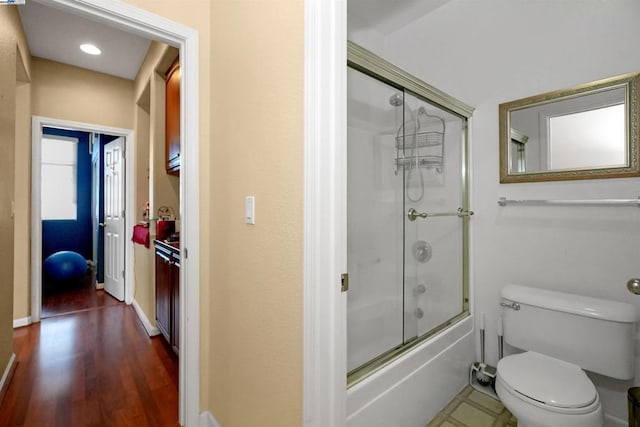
point(411, 390)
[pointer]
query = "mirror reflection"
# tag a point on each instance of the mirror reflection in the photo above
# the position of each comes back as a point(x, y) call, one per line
point(585, 132)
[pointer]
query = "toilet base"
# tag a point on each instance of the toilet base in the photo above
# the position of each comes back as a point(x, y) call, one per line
point(529, 415)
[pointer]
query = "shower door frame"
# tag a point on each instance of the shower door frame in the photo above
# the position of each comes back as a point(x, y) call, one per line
point(371, 65)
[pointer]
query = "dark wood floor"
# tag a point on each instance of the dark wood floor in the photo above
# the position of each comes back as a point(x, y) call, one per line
point(73, 295)
point(92, 368)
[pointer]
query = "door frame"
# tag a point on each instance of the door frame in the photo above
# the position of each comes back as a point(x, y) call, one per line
point(146, 24)
point(325, 214)
point(37, 125)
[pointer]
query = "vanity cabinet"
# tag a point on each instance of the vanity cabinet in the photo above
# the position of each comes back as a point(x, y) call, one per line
point(167, 262)
point(172, 119)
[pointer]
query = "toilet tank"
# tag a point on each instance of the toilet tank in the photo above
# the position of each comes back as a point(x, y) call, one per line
point(595, 334)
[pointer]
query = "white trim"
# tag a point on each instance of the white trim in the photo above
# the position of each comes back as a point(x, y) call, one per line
point(99, 286)
point(151, 330)
point(324, 397)
point(190, 232)
point(7, 370)
point(37, 123)
point(145, 24)
point(208, 420)
point(23, 321)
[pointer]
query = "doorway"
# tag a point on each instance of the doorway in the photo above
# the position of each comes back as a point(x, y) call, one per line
point(82, 194)
point(51, 236)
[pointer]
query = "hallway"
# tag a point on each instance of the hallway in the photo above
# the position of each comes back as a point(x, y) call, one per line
point(91, 368)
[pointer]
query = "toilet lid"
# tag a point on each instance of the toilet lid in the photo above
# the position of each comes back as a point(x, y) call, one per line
point(547, 380)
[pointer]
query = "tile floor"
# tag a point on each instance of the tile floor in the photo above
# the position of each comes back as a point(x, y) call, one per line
point(470, 408)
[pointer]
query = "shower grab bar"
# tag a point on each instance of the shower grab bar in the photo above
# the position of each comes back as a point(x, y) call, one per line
point(503, 201)
point(413, 214)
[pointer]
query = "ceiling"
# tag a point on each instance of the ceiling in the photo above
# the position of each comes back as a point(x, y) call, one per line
point(56, 35)
point(387, 16)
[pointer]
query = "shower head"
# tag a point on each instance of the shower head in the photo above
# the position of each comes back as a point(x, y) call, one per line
point(396, 100)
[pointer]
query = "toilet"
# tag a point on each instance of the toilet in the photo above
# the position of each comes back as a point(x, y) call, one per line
point(562, 335)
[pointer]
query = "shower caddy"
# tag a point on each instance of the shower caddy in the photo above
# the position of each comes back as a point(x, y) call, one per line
point(425, 141)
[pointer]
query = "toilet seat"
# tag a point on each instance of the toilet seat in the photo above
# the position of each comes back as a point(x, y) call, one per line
point(548, 383)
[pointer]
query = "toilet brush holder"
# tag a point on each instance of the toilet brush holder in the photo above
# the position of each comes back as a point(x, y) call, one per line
point(482, 377)
point(488, 374)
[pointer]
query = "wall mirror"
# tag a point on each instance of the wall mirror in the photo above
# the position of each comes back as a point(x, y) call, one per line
point(585, 132)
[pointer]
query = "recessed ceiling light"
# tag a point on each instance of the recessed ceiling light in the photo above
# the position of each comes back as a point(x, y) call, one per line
point(90, 49)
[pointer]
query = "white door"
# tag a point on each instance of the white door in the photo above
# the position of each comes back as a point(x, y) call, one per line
point(114, 218)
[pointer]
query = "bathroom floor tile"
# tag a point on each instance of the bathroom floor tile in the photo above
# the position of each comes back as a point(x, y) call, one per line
point(486, 401)
point(471, 408)
point(451, 406)
point(472, 416)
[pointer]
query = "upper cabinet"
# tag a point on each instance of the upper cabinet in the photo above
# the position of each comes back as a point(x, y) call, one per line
point(172, 119)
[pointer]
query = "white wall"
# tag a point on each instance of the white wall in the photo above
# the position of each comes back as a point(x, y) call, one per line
point(486, 53)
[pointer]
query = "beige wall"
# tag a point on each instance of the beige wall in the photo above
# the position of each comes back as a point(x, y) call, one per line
point(251, 136)
point(7, 141)
point(70, 93)
point(153, 184)
point(22, 217)
point(256, 308)
point(22, 248)
point(14, 129)
point(196, 14)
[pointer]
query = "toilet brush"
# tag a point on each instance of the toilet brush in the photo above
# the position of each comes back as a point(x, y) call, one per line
point(485, 374)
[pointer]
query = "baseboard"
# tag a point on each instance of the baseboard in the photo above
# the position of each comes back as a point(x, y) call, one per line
point(151, 330)
point(7, 375)
point(208, 420)
point(611, 421)
point(23, 321)
point(99, 285)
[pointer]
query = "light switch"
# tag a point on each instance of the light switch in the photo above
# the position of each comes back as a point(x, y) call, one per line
point(250, 210)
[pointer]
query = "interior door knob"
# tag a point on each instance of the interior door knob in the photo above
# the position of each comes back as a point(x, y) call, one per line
point(102, 224)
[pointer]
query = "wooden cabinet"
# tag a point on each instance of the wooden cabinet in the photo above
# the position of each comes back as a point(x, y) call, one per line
point(168, 293)
point(172, 119)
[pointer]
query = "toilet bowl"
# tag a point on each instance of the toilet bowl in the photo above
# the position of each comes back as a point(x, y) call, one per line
point(541, 391)
point(561, 335)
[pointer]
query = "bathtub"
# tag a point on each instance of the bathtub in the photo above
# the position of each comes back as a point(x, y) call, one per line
point(412, 389)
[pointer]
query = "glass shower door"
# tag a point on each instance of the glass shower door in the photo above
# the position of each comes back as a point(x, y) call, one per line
point(374, 233)
point(406, 240)
point(433, 246)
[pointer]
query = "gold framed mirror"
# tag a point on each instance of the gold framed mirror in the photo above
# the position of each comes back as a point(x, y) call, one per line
point(585, 132)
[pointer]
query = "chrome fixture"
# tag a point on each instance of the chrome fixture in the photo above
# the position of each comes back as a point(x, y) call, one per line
point(413, 214)
point(418, 290)
point(503, 201)
point(513, 305)
point(396, 100)
point(422, 251)
point(418, 313)
point(634, 286)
